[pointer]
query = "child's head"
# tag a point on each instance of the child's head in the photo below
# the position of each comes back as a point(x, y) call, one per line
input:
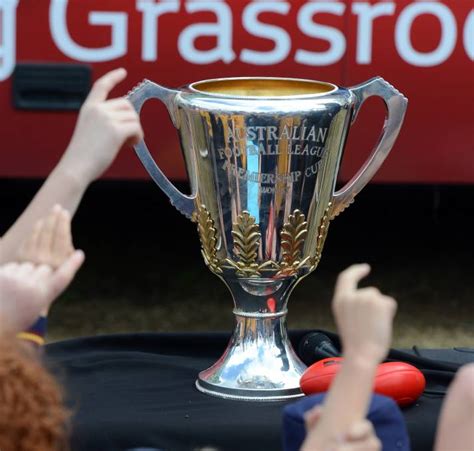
point(32, 415)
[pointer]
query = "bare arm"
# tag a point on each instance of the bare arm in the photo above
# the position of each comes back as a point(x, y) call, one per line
point(364, 319)
point(101, 130)
point(62, 187)
point(456, 423)
point(347, 401)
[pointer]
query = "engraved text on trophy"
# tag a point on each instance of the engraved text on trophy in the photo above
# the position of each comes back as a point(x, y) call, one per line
point(294, 141)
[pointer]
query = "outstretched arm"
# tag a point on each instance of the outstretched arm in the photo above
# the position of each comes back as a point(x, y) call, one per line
point(364, 320)
point(103, 127)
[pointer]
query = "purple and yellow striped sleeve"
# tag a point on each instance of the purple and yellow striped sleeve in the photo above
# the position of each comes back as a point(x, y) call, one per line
point(36, 333)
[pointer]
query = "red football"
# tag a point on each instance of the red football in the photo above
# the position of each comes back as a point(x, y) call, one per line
point(400, 381)
point(318, 377)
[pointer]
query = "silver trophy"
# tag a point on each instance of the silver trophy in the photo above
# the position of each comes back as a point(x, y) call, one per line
point(263, 156)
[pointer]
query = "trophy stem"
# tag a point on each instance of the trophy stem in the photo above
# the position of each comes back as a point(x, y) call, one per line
point(259, 363)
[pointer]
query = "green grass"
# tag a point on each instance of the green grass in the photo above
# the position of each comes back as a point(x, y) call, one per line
point(430, 313)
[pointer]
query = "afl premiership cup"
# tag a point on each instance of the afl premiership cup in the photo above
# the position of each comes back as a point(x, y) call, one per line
point(263, 155)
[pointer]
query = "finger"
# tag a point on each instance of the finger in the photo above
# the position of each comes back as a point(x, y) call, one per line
point(372, 443)
point(62, 242)
point(349, 278)
point(10, 269)
point(65, 273)
point(360, 430)
point(25, 270)
point(376, 299)
point(132, 132)
point(312, 416)
point(118, 104)
point(102, 87)
point(369, 292)
point(39, 277)
point(46, 236)
point(390, 303)
point(28, 251)
point(124, 116)
point(41, 273)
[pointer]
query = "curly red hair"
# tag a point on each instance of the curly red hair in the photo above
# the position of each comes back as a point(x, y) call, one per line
point(32, 415)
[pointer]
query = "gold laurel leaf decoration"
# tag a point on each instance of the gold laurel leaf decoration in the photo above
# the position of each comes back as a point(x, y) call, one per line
point(321, 238)
point(246, 234)
point(292, 236)
point(208, 236)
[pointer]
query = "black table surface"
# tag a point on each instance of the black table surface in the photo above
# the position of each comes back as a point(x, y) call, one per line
point(137, 390)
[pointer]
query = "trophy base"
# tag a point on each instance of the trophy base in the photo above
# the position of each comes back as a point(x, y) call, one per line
point(248, 395)
point(259, 363)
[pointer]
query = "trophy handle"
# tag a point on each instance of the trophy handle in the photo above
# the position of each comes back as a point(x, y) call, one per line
point(396, 104)
point(138, 96)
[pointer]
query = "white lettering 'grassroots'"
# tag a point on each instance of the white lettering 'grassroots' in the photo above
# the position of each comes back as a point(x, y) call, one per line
point(7, 37)
point(336, 39)
point(117, 21)
point(225, 29)
point(151, 12)
point(367, 13)
point(276, 34)
point(446, 44)
point(222, 30)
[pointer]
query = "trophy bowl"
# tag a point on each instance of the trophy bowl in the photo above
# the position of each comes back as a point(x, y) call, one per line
point(263, 155)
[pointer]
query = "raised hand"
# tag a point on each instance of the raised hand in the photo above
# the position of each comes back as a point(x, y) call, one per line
point(51, 241)
point(101, 130)
point(103, 127)
point(364, 320)
point(27, 289)
point(363, 316)
point(48, 263)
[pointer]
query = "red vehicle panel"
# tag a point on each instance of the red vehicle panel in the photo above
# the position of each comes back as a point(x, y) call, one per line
point(425, 49)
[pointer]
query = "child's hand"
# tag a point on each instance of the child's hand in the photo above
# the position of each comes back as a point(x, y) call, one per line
point(103, 127)
point(51, 241)
point(27, 289)
point(363, 316)
point(361, 436)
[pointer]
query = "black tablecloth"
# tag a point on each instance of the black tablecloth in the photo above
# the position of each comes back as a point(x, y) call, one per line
point(138, 390)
